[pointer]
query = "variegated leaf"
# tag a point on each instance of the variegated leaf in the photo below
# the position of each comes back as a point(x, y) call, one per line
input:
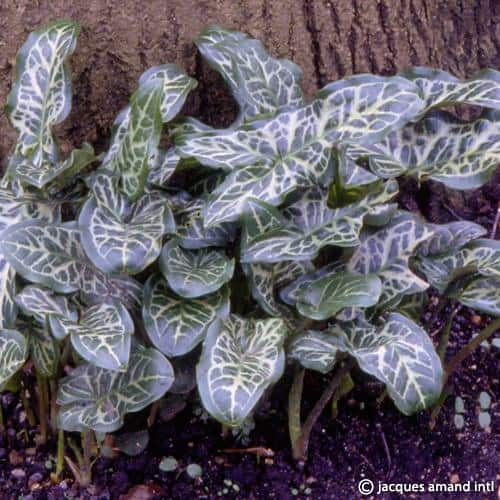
point(176, 87)
point(139, 141)
point(413, 305)
point(102, 336)
point(482, 294)
point(52, 255)
point(460, 154)
point(39, 303)
point(41, 95)
point(16, 208)
point(39, 175)
point(120, 236)
point(260, 83)
point(325, 297)
point(8, 309)
point(314, 350)
point(308, 225)
point(240, 360)
point(192, 233)
point(177, 325)
point(44, 350)
point(98, 399)
point(175, 84)
point(290, 293)
point(439, 88)
point(162, 167)
point(400, 354)
point(193, 273)
point(352, 175)
point(478, 256)
point(447, 237)
point(293, 150)
point(266, 279)
point(13, 354)
point(386, 253)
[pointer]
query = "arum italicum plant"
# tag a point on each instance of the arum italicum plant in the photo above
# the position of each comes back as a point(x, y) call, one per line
point(275, 241)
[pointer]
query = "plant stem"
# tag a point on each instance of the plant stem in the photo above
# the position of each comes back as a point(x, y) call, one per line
point(294, 401)
point(445, 335)
point(153, 413)
point(86, 465)
point(53, 405)
point(302, 443)
point(43, 406)
point(60, 454)
point(468, 349)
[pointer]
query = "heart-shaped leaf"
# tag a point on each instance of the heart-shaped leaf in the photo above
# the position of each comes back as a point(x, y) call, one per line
point(460, 154)
point(400, 354)
point(39, 303)
point(177, 325)
point(293, 150)
point(41, 98)
point(314, 350)
point(325, 297)
point(193, 273)
point(120, 236)
point(259, 83)
point(386, 253)
point(240, 360)
point(102, 336)
point(52, 255)
point(95, 398)
point(13, 354)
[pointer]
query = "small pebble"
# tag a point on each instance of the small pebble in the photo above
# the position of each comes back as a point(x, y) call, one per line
point(194, 471)
point(18, 473)
point(484, 400)
point(15, 458)
point(454, 478)
point(168, 464)
point(476, 319)
point(36, 477)
point(484, 419)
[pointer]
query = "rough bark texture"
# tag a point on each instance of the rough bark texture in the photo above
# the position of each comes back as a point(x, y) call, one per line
point(328, 39)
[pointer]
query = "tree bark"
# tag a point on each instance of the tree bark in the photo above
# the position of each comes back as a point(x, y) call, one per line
point(329, 39)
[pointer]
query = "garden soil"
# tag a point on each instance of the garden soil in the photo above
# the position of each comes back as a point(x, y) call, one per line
point(329, 40)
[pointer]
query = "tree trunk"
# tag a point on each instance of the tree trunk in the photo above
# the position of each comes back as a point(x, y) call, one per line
point(329, 39)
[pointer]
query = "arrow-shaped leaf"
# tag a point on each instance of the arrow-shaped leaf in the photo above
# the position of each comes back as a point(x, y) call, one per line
point(8, 309)
point(102, 336)
point(240, 360)
point(293, 150)
point(193, 273)
point(177, 325)
point(41, 94)
point(98, 399)
point(44, 349)
point(460, 154)
point(439, 88)
point(13, 353)
point(260, 83)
